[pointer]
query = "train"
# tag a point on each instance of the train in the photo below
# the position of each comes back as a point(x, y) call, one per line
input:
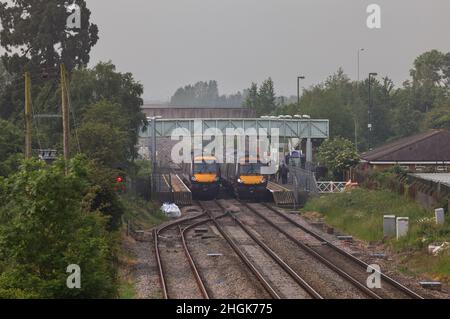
point(245, 179)
point(204, 177)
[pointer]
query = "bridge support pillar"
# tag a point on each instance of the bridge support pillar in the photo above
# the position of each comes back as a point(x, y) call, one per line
point(309, 156)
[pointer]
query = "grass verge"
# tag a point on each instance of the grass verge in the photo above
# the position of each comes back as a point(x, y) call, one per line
point(360, 213)
point(126, 263)
point(144, 214)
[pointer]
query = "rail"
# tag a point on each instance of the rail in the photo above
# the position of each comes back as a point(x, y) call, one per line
point(296, 277)
point(313, 253)
point(242, 256)
point(162, 278)
point(388, 279)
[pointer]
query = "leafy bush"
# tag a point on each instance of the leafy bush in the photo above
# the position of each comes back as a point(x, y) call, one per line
point(47, 222)
point(338, 154)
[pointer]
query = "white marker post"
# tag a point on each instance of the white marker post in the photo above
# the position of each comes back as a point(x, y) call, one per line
point(440, 216)
point(402, 226)
point(389, 229)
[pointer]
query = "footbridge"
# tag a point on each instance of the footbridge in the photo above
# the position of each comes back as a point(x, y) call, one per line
point(287, 128)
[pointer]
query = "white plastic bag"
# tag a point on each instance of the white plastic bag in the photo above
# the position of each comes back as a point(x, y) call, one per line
point(171, 210)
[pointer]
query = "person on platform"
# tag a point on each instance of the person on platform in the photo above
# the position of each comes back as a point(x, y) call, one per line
point(283, 173)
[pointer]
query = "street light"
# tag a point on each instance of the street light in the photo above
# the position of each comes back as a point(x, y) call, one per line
point(359, 51)
point(370, 125)
point(298, 88)
point(357, 86)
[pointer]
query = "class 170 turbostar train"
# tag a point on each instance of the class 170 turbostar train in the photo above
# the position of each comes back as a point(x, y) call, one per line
point(245, 179)
point(205, 179)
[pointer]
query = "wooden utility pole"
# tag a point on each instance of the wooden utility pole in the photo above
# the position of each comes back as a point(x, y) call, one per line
point(65, 114)
point(28, 117)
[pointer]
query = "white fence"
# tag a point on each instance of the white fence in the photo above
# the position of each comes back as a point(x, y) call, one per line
point(330, 187)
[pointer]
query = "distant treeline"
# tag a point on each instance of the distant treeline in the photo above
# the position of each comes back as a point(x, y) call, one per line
point(205, 94)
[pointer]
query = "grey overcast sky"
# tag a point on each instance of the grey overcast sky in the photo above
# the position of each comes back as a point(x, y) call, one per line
point(170, 43)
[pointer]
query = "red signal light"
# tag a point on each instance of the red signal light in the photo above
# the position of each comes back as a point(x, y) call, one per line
point(119, 179)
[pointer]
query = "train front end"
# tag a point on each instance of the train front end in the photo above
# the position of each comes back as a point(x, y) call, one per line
point(250, 183)
point(205, 179)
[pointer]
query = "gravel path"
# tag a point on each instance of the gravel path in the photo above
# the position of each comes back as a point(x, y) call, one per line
point(145, 271)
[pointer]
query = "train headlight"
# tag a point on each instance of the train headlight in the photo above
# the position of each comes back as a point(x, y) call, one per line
point(193, 178)
point(239, 181)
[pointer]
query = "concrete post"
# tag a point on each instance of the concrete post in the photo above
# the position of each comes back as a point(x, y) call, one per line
point(309, 155)
point(402, 226)
point(440, 217)
point(389, 225)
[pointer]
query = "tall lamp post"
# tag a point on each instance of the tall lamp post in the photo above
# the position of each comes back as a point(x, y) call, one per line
point(359, 51)
point(357, 86)
point(298, 88)
point(370, 124)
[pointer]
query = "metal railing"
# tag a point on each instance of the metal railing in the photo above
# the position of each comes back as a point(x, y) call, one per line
point(302, 179)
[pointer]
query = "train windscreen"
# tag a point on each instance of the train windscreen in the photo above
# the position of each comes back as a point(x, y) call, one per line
point(205, 168)
point(250, 169)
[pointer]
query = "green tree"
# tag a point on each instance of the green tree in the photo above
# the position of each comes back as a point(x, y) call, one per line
point(103, 82)
point(47, 223)
point(438, 118)
point(11, 144)
point(338, 154)
point(252, 97)
point(430, 80)
point(87, 87)
point(266, 98)
point(35, 35)
point(204, 94)
point(5, 78)
point(261, 100)
point(103, 133)
point(336, 100)
point(5, 81)
point(103, 193)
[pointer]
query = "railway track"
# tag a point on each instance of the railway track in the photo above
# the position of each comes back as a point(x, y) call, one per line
point(276, 276)
point(170, 271)
point(346, 265)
